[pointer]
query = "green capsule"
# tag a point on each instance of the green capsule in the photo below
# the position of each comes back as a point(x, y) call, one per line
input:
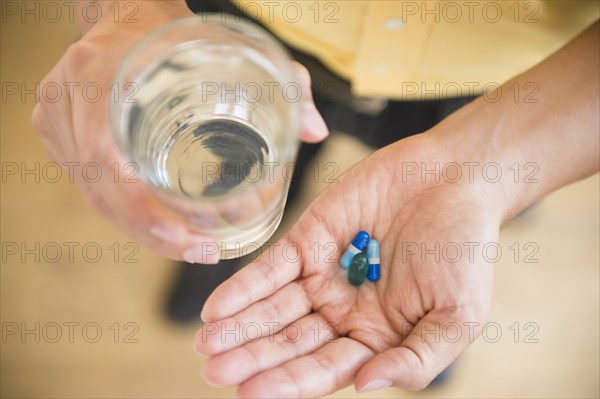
point(358, 269)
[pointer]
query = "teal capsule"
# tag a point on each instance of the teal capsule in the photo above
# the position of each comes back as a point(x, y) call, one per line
point(373, 257)
point(358, 269)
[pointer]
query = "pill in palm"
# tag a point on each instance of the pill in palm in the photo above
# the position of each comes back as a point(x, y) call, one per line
point(373, 258)
point(358, 269)
point(358, 244)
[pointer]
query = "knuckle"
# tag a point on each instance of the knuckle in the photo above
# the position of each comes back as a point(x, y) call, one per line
point(306, 301)
point(267, 271)
point(298, 296)
point(76, 55)
point(271, 310)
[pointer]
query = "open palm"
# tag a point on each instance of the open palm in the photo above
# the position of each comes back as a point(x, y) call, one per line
point(291, 325)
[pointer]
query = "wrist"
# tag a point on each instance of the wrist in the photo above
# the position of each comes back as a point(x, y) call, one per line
point(528, 147)
point(485, 153)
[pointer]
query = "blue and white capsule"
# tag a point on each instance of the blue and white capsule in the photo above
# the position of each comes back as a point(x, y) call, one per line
point(358, 244)
point(373, 256)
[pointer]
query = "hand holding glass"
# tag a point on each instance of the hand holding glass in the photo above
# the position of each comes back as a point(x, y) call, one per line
point(212, 120)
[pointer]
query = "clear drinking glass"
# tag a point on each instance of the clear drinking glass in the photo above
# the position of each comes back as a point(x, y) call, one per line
point(211, 116)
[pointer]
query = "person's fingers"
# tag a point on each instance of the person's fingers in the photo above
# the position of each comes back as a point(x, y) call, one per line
point(277, 266)
point(297, 339)
point(131, 208)
point(276, 311)
point(51, 117)
point(424, 354)
point(113, 189)
point(328, 369)
point(314, 128)
point(45, 132)
point(74, 129)
point(117, 193)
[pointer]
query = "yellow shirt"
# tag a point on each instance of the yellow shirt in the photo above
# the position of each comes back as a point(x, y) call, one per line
point(414, 50)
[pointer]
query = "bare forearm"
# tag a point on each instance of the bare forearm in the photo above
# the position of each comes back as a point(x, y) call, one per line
point(554, 132)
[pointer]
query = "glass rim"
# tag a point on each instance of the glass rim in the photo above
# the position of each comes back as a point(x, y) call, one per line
point(222, 20)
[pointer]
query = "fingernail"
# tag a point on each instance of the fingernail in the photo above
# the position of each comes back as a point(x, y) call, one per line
point(166, 234)
point(375, 385)
point(199, 255)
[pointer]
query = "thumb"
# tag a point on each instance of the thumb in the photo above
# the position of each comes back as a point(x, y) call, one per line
point(314, 128)
point(434, 343)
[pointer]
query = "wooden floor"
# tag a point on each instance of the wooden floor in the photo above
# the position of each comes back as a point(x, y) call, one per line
point(139, 354)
